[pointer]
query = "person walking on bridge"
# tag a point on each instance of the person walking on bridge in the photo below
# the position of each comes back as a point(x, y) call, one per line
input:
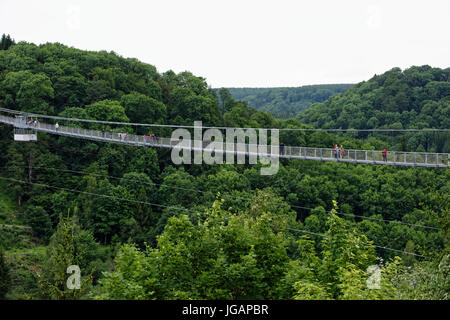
point(282, 148)
point(384, 155)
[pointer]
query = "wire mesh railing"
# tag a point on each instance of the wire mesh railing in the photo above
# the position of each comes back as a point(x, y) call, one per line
point(293, 152)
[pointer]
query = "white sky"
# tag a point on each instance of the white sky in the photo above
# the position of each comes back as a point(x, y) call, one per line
point(247, 43)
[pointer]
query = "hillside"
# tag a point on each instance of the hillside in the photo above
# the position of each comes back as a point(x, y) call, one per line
point(287, 102)
point(140, 226)
point(418, 97)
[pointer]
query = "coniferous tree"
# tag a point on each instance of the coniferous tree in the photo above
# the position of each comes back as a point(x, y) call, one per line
point(39, 220)
point(6, 42)
point(64, 250)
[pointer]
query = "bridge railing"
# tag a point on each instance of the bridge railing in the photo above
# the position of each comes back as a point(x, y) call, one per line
point(367, 155)
point(324, 154)
point(6, 119)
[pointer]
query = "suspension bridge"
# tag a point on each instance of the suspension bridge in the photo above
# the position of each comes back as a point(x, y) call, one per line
point(26, 130)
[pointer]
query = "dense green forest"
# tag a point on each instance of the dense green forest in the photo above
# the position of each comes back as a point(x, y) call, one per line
point(140, 227)
point(418, 97)
point(415, 98)
point(285, 103)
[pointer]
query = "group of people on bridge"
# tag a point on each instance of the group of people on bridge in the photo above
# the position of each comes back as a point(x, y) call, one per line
point(338, 151)
point(124, 136)
point(32, 122)
point(151, 138)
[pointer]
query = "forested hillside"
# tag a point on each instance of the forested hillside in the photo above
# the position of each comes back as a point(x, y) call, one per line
point(140, 227)
point(285, 103)
point(418, 97)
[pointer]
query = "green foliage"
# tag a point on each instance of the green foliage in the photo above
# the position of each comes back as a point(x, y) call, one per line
point(143, 109)
point(185, 106)
point(51, 78)
point(7, 205)
point(144, 160)
point(425, 280)
point(133, 198)
point(107, 110)
point(6, 42)
point(68, 246)
point(15, 236)
point(341, 269)
point(417, 98)
point(174, 189)
point(70, 91)
point(310, 291)
point(24, 267)
point(408, 256)
point(141, 189)
point(226, 100)
point(224, 180)
point(354, 283)
point(225, 256)
point(5, 277)
point(108, 215)
point(28, 92)
point(39, 220)
point(285, 102)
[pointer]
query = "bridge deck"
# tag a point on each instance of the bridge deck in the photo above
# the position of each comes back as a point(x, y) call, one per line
point(397, 158)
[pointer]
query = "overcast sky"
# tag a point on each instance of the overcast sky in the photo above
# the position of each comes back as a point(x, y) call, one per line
point(246, 43)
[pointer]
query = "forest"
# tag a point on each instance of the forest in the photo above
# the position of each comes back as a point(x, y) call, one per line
point(140, 227)
point(285, 103)
point(415, 98)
